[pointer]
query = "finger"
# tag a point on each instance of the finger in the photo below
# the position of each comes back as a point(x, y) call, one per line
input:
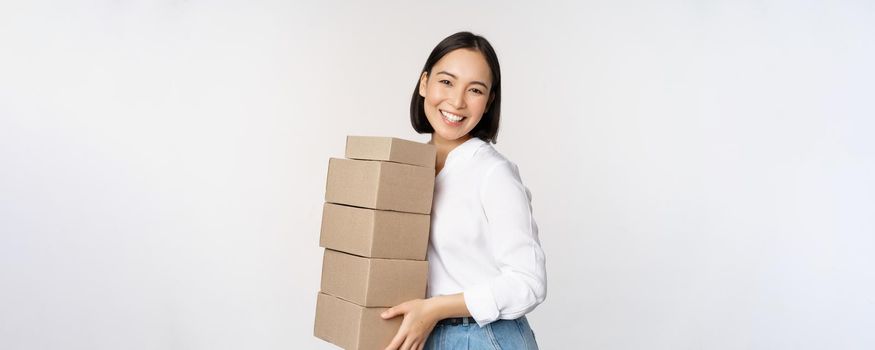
point(421, 346)
point(406, 345)
point(389, 313)
point(394, 311)
point(397, 341)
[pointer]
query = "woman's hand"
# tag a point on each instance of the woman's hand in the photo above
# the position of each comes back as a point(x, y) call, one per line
point(419, 320)
point(420, 317)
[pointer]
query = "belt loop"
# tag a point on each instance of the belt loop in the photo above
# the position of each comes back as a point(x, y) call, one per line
point(464, 321)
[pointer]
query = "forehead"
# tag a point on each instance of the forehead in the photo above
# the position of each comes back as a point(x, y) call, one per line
point(465, 64)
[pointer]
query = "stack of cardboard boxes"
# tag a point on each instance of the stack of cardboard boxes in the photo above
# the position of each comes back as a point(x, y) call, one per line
point(375, 225)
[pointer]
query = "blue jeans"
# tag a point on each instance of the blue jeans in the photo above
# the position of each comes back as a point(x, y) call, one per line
point(499, 335)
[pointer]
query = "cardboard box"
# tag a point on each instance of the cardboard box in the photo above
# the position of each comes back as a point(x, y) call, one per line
point(380, 185)
point(351, 326)
point(373, 282)
point(391, 149)
point(374, 233)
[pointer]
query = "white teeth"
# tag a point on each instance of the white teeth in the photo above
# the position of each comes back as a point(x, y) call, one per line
point(452, 117)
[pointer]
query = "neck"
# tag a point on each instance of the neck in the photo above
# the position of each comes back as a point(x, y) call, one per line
point(444, 147)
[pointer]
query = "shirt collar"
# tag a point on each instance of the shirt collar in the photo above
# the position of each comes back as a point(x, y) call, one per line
point(464, 151)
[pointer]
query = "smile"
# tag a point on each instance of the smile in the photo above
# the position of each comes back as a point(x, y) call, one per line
point(453, 119)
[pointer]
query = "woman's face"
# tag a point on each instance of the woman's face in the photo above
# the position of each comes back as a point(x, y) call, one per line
point(456, 94)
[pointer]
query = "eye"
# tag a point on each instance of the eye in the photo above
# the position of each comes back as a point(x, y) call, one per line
point(477, 91)
point(445, 82)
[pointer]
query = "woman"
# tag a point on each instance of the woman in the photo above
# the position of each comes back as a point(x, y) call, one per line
point(486, 265)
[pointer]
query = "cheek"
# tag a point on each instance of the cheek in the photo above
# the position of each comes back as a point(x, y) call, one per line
point(431, 101)
point(478, 104)
point(434, 97)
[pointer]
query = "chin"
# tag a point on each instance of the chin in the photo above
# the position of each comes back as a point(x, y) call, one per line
point(450, 136)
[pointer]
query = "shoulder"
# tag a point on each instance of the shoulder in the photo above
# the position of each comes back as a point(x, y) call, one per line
point(500, 184)
point(492, 163)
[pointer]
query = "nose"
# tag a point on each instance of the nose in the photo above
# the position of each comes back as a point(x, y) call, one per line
point(458, 98)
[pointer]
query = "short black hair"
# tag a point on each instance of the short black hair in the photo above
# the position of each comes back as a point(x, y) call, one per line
point(487, 128)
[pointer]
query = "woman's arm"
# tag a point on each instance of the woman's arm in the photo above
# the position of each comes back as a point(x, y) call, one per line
point(514, 245)
point(420, 317)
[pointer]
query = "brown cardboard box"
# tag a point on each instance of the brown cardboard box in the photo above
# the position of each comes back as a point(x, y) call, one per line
point(374, 233)
point(351, 326)
point(380, 185)
point(373, 282)
point(390, 149)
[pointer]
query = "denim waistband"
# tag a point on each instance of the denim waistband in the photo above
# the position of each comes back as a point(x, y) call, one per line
point(455, 321)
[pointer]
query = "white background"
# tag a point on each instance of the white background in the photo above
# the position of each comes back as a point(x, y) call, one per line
point(702, 171)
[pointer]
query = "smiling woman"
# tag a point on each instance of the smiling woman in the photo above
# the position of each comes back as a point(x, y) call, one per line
point(486, 265)
point(460, 56)
point(453, 95)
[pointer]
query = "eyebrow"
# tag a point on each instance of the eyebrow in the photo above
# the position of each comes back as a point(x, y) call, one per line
point(454, 77)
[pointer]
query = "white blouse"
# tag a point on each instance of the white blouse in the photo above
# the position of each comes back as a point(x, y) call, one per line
point(484, 240)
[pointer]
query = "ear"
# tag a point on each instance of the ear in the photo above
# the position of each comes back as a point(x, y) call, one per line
point(423, 83)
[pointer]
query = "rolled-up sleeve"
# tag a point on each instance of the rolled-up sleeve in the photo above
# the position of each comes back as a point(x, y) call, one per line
point(514, 244)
